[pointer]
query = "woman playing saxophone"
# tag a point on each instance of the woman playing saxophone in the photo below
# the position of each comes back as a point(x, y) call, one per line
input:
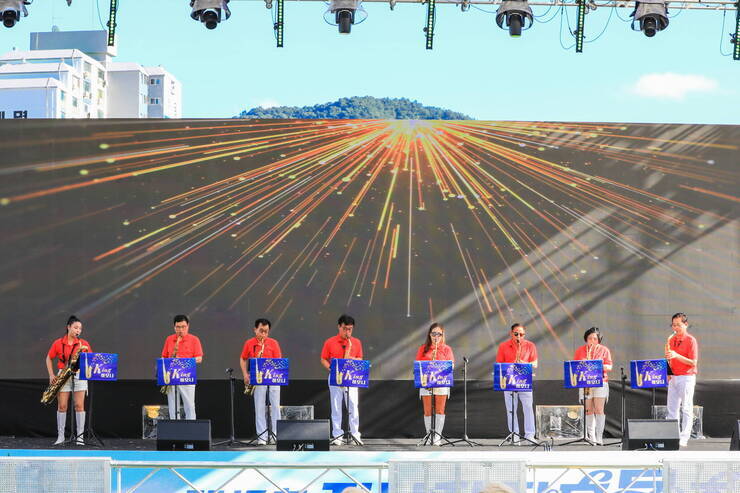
point(66, 349)
point(435, 349)
point(595, 398)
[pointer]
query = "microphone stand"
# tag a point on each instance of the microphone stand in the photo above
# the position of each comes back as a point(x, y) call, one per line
point(465, 438)
point(623, 399)
point(232, 441)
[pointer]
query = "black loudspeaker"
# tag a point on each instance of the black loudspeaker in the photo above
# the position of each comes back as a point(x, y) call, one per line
point(184, 434)
point(303, 434)
point(651, 434)
point(735, 440)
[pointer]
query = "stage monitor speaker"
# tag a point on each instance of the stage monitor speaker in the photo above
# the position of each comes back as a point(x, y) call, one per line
point(184, 434)
point(651, 434)
point(735, 440)
point(303, 435)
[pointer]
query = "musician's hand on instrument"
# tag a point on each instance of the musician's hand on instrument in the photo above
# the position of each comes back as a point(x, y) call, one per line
point(246, 379)
point(670, 354)
point(52, 379)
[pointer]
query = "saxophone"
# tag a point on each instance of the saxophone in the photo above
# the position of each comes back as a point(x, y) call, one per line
point(346, 356)
point(668, 346)
point(166, 375)
point(53, 389)
point(249, 388)
point(589, 355)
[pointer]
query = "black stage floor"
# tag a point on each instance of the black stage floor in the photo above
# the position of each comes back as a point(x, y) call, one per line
point(371, 445)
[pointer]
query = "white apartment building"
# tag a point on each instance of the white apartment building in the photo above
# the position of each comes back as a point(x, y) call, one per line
point(69, 83)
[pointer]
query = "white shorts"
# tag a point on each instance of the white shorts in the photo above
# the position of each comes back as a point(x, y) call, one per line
point(602, 392)
point(80, 385)
point(435, 391)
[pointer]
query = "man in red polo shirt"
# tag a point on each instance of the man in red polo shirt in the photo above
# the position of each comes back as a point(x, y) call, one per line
point(682, 354)
point(262, 346)
point(343, 345)
point(182, 344)
point(517, 350)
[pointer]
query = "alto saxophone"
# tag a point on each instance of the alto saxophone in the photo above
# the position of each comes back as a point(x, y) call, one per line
point(249, 388)
point(347, 350)
point(165, 373)
point(589, 355)
point(53, 389)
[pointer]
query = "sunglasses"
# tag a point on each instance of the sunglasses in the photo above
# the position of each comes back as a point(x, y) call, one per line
point(518, 334)
point(437, 334)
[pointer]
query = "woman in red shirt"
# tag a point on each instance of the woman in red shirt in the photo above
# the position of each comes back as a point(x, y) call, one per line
point(64, 349)
point(435, 349)
point(596, 397)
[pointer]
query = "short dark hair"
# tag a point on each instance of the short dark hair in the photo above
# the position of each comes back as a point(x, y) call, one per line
point(262, 321)
point(593, 330)
point(345, 319)
point(684, 318)
point(72, 319)
point(181, 318)
point(516, 325)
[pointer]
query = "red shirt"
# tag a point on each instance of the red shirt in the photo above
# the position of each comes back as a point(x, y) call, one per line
point(599, 352)
point(444, 353)
point(62, 349)
point(252, 348)
point(507, 352)
point(189, 347)
point(685, 346)
point(334, 347)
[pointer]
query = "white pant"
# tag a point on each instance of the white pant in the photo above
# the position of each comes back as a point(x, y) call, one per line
point(681, 397)
point(526, 399)
point(260, 410)
point(337, 396)
point(187, 394)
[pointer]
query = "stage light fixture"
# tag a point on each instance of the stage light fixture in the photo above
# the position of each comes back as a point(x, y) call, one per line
point(652, 16)
point(210, 12)
point(344, 14)
point(513, 14)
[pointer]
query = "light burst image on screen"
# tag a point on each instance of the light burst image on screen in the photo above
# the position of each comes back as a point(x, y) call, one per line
point(476, 225)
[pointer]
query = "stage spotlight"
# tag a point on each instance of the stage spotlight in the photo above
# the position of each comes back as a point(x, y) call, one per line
point(345, 13)
point(652, 16)
point(514, 14)
point(210, 12)
point(11, 11)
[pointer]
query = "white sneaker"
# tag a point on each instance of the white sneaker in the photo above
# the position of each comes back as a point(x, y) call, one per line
point(261, 442)
point(337, 441)
point(358, 440)
point(684, 443)
point(80, 441)
point(60, 440)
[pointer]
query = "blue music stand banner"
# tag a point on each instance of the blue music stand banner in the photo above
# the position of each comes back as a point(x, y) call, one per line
point(269, 371)
point(99, 366)
point(349, 372)
point(176, 371)
point(514, 377)
point(648, 373)
point(585, 373)
point(432, 374)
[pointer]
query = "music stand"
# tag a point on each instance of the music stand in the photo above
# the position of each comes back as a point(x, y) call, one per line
point(584, 438)
point(465, 438)
point(232, 441)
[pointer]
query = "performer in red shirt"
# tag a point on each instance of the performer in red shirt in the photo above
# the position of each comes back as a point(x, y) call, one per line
point(262, 346)
point(64, 349)
point(517, 350)
point(433, 349)
point(182, 344)
point(682, 353)
point(596, 398)
point(343, 345)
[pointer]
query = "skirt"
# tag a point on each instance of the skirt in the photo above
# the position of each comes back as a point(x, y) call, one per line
point(602, 391)
point(80, 385)
point(436, 391)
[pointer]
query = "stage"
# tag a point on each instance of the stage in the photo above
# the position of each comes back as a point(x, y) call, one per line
point(15, 444)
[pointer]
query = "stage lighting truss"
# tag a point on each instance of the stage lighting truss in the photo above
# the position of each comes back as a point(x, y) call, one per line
point(649, 16)
point(11, 11)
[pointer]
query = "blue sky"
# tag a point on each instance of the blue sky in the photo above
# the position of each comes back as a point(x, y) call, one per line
point(475, 68)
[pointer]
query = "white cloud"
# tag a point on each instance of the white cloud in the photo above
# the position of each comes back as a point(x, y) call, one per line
point(672, 86)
